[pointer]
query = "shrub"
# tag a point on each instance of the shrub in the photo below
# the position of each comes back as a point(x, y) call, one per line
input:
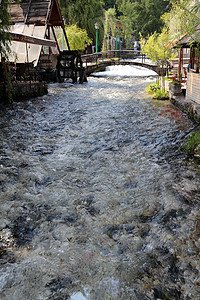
point(155, 90)
point(193, 143)
point(152, 88)
point(176, 82)
point(161, 95)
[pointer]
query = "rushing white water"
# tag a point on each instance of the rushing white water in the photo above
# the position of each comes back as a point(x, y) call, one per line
point(97, 201)
point(125, 71)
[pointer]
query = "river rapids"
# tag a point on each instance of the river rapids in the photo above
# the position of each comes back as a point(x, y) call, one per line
point(97, 200)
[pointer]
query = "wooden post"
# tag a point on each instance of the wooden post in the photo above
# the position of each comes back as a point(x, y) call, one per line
point(66, 39)
point(180, 64)
point(27, 53)
point(55, 38)
point(48, 30)
point(27, 13)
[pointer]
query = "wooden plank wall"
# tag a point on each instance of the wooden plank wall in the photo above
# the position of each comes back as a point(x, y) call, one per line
point(37, 13)
point(193, 87)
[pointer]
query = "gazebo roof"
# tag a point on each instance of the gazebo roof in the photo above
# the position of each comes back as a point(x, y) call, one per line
point(46, 12)
point(186, 41)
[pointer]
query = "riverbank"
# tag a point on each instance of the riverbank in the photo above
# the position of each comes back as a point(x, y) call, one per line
point(193, 110)
point(190, 107)
point(22, 90)
point(191, 102)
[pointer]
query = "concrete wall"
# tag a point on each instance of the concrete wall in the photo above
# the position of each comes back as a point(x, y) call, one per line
point(193, 87)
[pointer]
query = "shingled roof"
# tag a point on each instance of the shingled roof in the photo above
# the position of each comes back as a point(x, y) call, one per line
point(36, 12)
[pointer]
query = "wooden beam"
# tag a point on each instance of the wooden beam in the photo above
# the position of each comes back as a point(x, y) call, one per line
point(31, 39)
point(43, 52)
point(54, 34)
point(62, 25)
point(48, 31)
point(65, 35)
point(29, 5)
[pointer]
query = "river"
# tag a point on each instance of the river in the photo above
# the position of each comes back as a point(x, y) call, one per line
point(97, 200)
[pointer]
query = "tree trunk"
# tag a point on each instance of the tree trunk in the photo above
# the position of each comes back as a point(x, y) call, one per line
point(162, 79)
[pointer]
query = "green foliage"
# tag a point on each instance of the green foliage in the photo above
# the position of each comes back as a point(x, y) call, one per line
point(7, 81)
point(77, 37)
point(193, 144)
point(135, 15)
point(154, 89)
point(109, 26)
point(5, 37)
point(167, 79)
point(161, 95)
point(157, 49)
point(84, 13)
point(5, 40)
point(10, 87)
point(183, 18)
point(110, 4)
point(176, 82)
point(142, 16)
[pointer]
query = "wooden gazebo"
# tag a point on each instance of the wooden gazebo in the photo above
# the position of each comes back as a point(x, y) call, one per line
point(33, 25)
point(193, 77)
point(192, 43)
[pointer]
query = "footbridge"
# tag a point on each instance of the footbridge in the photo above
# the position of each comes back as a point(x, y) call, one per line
point(98, 61)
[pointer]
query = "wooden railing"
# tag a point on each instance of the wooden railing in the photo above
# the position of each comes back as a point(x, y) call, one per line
point(118, 55)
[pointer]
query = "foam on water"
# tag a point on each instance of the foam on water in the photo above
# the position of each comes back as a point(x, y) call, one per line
point(97, 201)
point(125, 71)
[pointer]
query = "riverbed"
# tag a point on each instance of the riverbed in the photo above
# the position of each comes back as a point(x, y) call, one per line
point(97, 199)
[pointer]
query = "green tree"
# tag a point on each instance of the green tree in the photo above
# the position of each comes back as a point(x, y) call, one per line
point(84, 13)
point(109, 4)
point(142, 16)
point(158, 50)
point(77, 37)
point(109, 28)
point(4, 27)
point(182, 18)
point(153, 12)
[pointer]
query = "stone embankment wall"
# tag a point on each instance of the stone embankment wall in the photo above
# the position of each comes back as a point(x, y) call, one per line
point(23, 91)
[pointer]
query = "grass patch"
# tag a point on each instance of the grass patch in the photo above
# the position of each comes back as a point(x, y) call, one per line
point(193, 144)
